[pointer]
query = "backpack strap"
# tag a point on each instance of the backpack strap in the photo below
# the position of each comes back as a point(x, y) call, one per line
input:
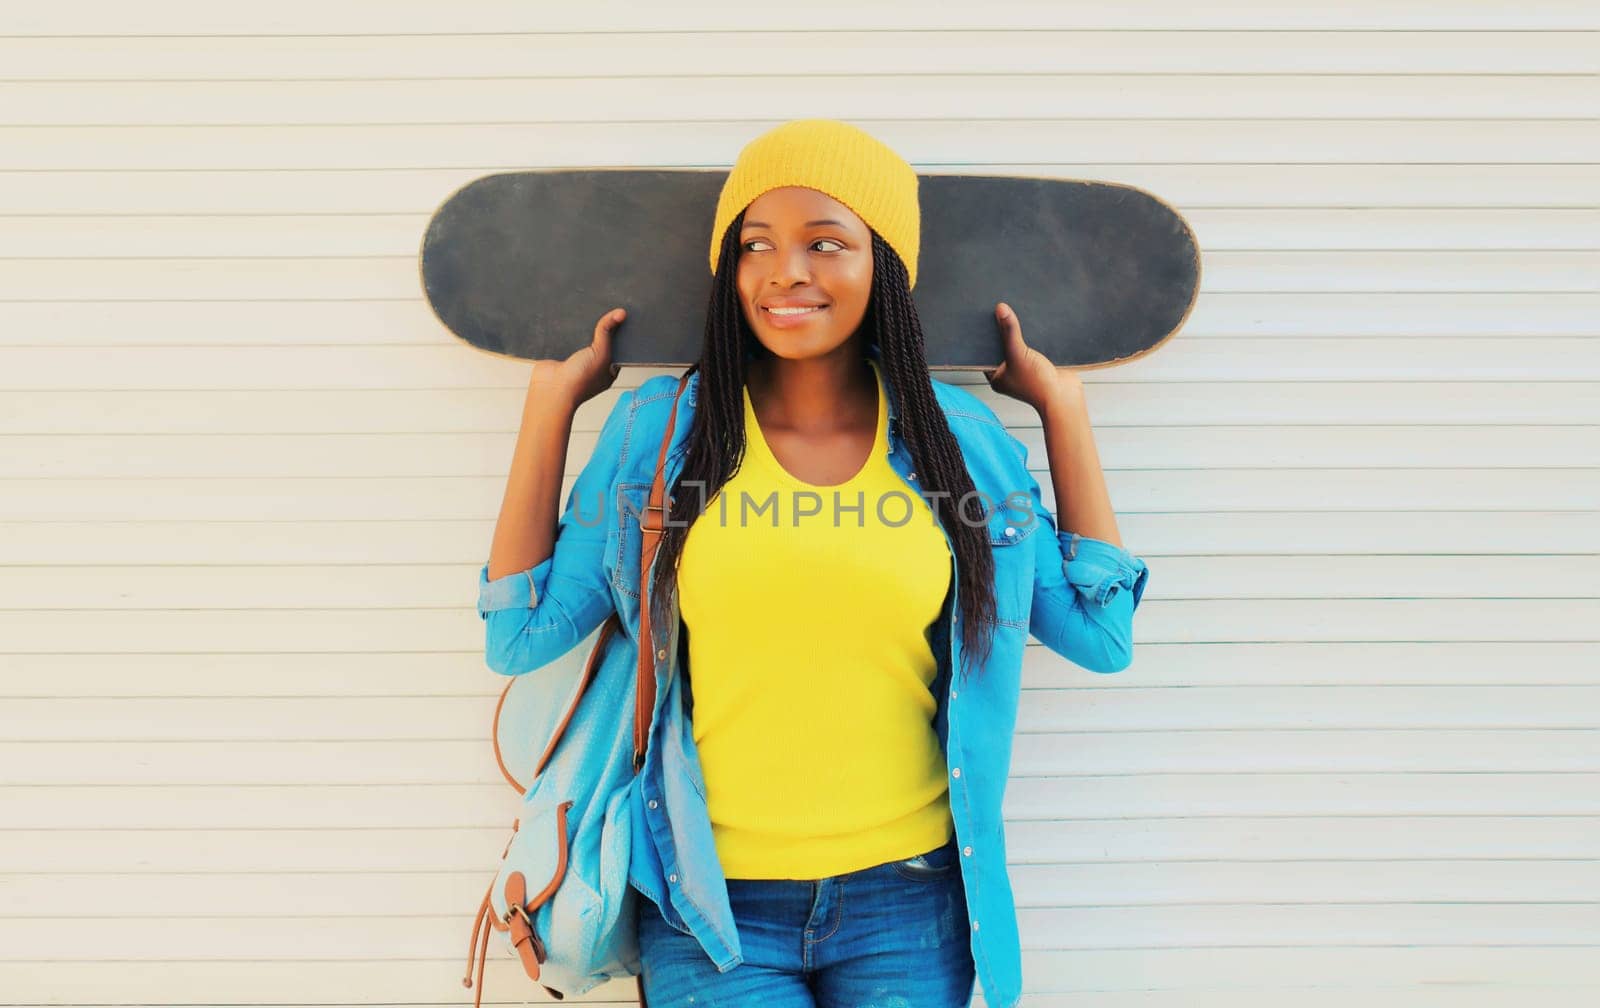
point(645, 694)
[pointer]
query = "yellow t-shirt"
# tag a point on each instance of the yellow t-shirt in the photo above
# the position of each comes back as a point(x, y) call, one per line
point(809, 612)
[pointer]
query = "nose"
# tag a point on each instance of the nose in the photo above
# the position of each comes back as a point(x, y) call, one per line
point(790, 268)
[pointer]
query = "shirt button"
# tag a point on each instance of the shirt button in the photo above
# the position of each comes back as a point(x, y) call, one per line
point(1010, 531)
point(911, 476)
point(661, 655)
point(974, 925)
point(674, 878)
point(967, 851)
point(652, 803)
point(952, 694)
point(956, 772)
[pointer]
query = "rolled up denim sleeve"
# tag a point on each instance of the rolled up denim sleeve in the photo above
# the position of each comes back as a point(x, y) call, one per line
point(1099, 570)
point(514, 591)
point(532, 617)
point(1085, 590)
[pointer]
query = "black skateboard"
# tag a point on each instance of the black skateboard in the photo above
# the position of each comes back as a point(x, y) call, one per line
point(525, 263)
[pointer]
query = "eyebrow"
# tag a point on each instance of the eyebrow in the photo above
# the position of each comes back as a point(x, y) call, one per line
point(809, 223)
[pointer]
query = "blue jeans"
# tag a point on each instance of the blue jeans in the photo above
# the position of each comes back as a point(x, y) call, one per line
point(894, 935)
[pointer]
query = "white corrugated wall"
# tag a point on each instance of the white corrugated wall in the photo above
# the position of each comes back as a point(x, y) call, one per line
point(246, 480)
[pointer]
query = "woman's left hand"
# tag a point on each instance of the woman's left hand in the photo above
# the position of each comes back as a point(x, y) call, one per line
point(1026, 374)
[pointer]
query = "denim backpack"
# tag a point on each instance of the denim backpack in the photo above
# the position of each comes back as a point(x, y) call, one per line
point(561, 897)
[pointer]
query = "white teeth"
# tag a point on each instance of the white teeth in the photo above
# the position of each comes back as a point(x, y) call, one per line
point(794, 311)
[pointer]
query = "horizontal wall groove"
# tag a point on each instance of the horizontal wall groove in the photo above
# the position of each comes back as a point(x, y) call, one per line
point(966, 166)
point(1353, 75)
point(865, 121)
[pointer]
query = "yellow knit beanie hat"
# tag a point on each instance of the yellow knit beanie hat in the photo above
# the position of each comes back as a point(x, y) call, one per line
point(836, 158)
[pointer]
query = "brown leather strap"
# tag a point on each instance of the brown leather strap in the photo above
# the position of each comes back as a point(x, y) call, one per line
point(645, 694)
point(611, 626)
point(479, 950)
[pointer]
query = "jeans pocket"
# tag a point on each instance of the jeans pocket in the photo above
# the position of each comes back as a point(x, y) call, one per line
point(932, 866)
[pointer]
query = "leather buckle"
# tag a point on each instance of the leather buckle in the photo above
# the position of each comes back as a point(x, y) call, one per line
point(518, 910)
point(654, 507)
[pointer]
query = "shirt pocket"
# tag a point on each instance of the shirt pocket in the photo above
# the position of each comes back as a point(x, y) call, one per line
point(623, 545)
point(1011, 544)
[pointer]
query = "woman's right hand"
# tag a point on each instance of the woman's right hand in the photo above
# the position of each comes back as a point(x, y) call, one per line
point(588, 371)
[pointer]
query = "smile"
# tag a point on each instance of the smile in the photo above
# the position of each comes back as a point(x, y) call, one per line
point(795, 311)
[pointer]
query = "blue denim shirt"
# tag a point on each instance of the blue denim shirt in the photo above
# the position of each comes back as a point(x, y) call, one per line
point(1077, 595)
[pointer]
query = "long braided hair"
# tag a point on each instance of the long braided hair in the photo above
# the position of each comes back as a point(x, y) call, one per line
point(716, 439)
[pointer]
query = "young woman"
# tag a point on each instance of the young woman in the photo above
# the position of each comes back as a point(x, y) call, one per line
point(855, 553)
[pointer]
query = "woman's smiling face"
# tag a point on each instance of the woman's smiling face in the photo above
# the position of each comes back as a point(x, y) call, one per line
point(801, 248)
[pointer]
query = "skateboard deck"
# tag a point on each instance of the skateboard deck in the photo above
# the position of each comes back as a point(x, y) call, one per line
point(525, 263)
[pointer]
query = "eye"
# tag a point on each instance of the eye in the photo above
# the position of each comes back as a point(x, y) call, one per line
point(745, 246)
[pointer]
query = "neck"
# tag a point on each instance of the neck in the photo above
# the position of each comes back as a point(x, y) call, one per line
point(815, 394)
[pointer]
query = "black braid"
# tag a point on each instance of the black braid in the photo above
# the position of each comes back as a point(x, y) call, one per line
point(716, 439)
